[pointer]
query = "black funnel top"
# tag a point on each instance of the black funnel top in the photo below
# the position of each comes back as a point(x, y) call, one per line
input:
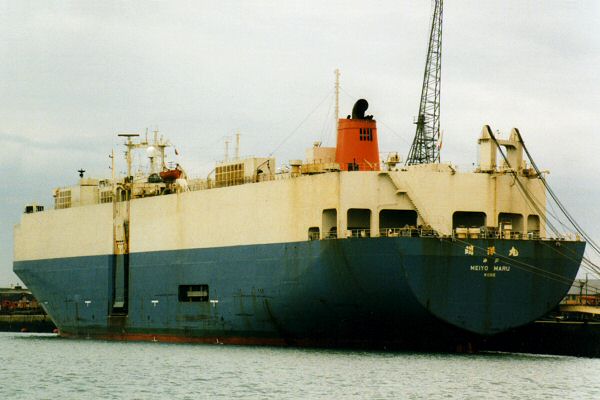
point(358, 111)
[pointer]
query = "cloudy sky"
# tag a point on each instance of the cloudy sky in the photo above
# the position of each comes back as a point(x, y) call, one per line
point(74, 74)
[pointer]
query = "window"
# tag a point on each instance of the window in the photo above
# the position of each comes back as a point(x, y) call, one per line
point(366, 134)
point(229, 175)
point(63, 199)
point(33, 208)
point(313, 233)
point(193, 293)
point(106, 196)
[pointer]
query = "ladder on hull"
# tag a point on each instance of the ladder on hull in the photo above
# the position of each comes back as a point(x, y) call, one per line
point(120, 262)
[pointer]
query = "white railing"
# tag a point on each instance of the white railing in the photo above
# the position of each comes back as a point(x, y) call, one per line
point(429, 232)
point(385, 232)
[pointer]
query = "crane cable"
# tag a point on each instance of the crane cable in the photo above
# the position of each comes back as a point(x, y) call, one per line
point(535, 203)
point(571, 219)
point(586, 261)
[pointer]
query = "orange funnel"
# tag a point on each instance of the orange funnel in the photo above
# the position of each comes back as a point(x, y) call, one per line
point(357, 148)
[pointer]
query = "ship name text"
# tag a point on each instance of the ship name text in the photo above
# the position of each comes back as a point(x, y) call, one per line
point(489, 271)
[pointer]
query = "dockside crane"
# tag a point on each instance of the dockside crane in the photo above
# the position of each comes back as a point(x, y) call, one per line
point(426, 145)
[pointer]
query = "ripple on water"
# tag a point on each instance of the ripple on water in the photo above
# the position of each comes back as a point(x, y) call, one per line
point(42, 366)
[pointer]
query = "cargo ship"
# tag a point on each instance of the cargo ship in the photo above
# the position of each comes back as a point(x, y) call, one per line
point(339, 249)
point(343, 248)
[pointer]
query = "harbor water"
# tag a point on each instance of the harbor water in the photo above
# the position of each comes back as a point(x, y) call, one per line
point(37, 366)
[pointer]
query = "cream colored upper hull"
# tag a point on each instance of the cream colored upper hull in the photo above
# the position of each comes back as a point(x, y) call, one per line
point(276, 211)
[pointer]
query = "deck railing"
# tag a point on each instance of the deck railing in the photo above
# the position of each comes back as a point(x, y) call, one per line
point(407, 232)
point(429, 232)
point(383, 232)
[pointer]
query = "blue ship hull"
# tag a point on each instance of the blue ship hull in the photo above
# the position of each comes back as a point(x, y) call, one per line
point(390, 291)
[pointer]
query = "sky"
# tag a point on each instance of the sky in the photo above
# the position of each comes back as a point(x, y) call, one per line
point(75, 74)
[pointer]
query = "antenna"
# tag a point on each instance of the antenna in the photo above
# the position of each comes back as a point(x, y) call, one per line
point(237, 146)
point(112, 167)
point(337, 98)
point(425, 148)
point(129, 145)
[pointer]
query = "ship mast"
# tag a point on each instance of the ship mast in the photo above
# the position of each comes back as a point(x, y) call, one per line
point(425, 148)
point(130, 146)
point(337, 98)
point(226, 149)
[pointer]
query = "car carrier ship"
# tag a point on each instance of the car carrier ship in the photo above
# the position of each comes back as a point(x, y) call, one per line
point(339, 249)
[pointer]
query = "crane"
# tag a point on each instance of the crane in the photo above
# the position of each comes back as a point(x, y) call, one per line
point(425, 148)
